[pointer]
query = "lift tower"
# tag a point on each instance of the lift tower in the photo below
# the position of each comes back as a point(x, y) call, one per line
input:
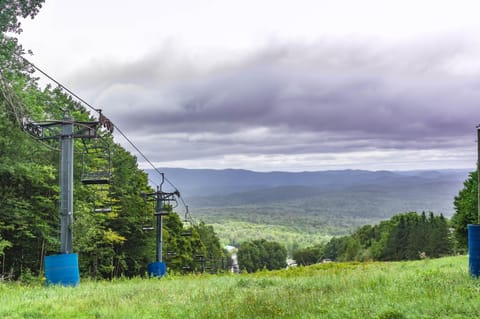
point(474, 229)
point(63, 268)
point(158, 268)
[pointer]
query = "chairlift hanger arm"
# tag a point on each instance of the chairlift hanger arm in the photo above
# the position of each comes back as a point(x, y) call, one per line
point(53, 129)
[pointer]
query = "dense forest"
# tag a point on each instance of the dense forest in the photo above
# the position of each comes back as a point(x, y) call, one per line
point(305, 208)
point(110, 242)
point(406, 236)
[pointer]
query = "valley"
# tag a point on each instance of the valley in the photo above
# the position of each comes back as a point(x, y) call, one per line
point(304, 208)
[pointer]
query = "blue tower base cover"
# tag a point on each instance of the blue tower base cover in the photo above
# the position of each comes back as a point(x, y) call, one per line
point(474, 250)
point(157, 269)
point(62, 270)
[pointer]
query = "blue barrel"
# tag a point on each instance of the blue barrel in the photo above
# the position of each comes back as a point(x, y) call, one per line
point(474, 250)
point(62, 270)
point(157, 269)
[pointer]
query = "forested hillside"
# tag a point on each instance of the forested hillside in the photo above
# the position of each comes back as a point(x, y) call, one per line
point(108, 228)
point(302, 208)
point(406, 236)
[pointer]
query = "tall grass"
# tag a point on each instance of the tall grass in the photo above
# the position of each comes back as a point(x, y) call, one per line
point(439, 288)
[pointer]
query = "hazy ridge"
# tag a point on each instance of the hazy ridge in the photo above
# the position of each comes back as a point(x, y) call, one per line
point(231, 187)
point(323, 202)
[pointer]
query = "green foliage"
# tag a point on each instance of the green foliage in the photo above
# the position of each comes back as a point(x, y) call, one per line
point(27, 199)
point(299, 223)
point(391, 314)
point(210, 247)
point(309, 256)
point(261, 254)
point(110, 243)
point(234, 233)
point(407, 236)
point(11, 10)
point(465, 204)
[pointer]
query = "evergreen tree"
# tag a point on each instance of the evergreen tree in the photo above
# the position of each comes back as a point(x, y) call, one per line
point(465, 204)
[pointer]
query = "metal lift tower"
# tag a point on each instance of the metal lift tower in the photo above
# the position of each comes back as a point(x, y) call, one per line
point(158, 268)
point(474, 229)
point(63, 268)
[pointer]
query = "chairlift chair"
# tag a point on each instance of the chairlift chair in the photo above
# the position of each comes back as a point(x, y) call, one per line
point(107, 209)
point(96, 165)
point(171, 254)
point(187, 228)
point(102, 200)
point(147, 224)
point(187, 224)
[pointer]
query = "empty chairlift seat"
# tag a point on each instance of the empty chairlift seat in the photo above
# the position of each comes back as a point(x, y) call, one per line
point(96, 178)
point(96, 166)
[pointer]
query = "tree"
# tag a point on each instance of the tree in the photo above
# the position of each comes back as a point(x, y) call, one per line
point(439, 241)
point(310, 255)
point(404, 237)
point(11, 10)
point(261, 254)
point(335, 248)
point(28, 190)
point(465, 204)
point(397, 241)
point(212, 250)
point(110, 242)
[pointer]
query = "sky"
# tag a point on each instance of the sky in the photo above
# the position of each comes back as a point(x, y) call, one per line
point(284, 85)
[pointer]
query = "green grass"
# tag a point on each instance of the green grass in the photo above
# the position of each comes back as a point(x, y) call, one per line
point(439, 288)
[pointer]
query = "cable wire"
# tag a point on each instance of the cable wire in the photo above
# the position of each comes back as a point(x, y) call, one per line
point(56, 82)
point(99, 112)
point(96, 110)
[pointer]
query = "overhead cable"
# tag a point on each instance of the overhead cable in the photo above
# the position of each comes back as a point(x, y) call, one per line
point(99, 112)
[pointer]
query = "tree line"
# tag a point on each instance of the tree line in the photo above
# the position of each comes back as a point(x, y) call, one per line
point(406, 236)
point(109, 243)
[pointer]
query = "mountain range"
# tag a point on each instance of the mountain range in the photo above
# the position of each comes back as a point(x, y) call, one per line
point(327, 202)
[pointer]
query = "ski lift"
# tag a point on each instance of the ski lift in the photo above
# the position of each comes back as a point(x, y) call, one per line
point(147, 223)
point(96, 165)
point(186, 232)
point(96, 173)
point(107, 209)
point(187, 223)
point(102, 198)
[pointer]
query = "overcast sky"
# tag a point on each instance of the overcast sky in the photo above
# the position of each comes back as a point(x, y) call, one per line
point(274, 84)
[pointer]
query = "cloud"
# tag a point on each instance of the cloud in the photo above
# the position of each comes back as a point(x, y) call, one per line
point(289, 98)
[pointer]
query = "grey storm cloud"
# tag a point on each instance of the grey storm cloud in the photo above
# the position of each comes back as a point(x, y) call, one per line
point(322, 97)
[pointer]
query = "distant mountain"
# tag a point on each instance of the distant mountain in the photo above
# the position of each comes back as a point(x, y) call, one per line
point(327, 202)
point(229, 187)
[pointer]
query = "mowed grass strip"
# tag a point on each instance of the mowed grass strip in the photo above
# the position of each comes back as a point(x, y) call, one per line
point(440, 288)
